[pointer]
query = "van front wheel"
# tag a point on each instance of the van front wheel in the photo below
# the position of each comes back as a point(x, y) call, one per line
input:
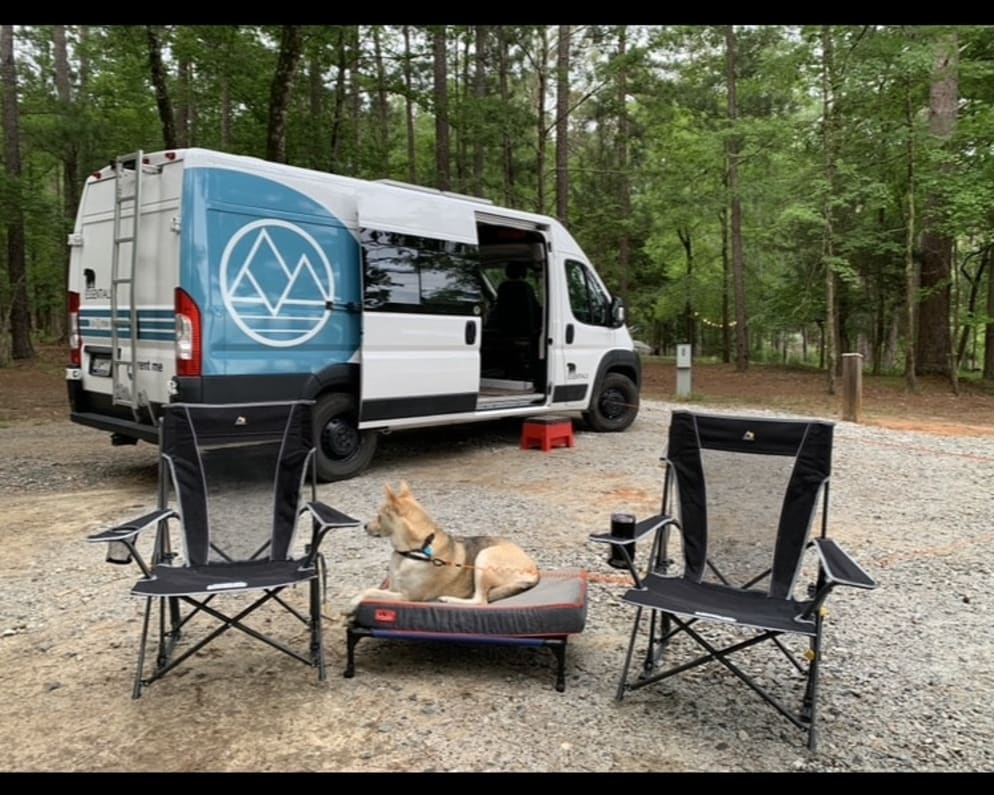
point(614, 406)
point(343, 451)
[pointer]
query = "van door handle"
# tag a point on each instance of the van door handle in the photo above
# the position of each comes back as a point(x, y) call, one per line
point(569, 333)
point(470, 332)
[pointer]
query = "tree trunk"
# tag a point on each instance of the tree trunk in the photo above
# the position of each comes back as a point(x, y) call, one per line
point(893, 339)
point(409, 106)
point(227, 112)
point(184, 105)
point(879, 330)
point(738, 259)
point(355, 100)
point(70, 149)
point(562, 124)
point(828, 240)
point(160, 83)
point(934, 339)
point(507, 145)
point(688, 310)
point(337, 120)
point(480, 95)
point(459, 130)
point(382, 106)
point(443, 178)
point(989, 327)
point(315, 101)
point(726, 267)
point(975, 281)
point(281, 90)
point(543, 86)
point(624, 183)
point(910, 266)
point(83, 58)
point(20, 311)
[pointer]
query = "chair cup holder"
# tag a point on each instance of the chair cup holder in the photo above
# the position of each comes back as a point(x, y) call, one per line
point(118, 552)
point(622, 527)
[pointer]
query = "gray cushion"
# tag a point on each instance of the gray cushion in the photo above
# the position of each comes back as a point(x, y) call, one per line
point(556, 606)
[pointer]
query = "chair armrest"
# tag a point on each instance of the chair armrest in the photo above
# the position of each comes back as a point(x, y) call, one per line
point(325, 518)
point(643, 528)
point(623, 549)
point(328, 517)
point(839, 567)
point(128, 530)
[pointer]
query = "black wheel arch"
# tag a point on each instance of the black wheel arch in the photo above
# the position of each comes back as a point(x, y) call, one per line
point(333, 378)
point(627, 363)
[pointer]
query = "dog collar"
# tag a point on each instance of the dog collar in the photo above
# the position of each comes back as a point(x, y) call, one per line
point(422, 553)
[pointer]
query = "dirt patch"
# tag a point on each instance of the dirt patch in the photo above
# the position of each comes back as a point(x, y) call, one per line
point(35, 391)
point(887, 403)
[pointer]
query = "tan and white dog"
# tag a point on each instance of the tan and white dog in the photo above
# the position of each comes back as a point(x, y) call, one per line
point(429, 564)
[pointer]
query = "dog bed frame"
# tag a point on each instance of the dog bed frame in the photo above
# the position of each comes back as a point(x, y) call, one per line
point(544, 615)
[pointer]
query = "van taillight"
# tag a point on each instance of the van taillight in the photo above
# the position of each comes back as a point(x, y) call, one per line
point(188, 349)
point(75, 338)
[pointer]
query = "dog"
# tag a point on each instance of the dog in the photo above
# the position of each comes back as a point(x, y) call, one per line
point(428, 564)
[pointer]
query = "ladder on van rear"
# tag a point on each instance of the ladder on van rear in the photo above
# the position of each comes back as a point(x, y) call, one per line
point(128, 172)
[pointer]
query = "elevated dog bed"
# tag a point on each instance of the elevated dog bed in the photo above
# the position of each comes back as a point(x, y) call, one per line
point(545, 615)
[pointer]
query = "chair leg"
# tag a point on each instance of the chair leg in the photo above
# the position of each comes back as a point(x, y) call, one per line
point(317, 635)
point(809, 707)
point(352, 637)
point(168, 638)
point(660, 630)
point(623, 683)
point(137, 691)
point(559, 649)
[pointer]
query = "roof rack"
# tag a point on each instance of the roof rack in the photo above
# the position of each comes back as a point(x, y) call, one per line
point(424, 189)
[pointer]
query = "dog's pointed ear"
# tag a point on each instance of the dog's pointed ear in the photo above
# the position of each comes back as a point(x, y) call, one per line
point(405, 490)
point(391, 497)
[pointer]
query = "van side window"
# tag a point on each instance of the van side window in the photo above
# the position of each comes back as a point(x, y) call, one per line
point(587, 298)
point(408, 273)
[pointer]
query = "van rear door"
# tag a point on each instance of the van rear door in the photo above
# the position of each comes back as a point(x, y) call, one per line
point(422, 304)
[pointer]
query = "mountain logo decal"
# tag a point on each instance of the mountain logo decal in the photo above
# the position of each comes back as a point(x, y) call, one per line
point(276, 283)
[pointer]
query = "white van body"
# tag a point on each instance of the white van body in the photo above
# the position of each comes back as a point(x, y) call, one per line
point(243, 280)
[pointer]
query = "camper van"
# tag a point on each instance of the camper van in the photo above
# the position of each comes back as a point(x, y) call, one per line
point(206, 277)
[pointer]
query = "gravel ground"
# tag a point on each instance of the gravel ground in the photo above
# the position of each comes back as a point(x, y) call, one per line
point(907, 677)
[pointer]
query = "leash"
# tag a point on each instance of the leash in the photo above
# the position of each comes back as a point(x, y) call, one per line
point(424, 554)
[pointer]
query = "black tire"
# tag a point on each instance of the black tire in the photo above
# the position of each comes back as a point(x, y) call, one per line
point(614, 406)
point(343, 451)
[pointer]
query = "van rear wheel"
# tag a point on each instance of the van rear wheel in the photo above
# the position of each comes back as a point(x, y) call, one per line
point(343, 451)
point(615, 405)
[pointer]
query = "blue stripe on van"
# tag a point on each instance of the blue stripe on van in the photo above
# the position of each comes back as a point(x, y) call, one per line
point(154, 325)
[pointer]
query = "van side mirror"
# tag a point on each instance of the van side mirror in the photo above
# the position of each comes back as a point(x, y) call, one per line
point(617, 312)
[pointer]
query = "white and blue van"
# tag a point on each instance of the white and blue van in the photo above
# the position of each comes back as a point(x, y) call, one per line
point(209, 277)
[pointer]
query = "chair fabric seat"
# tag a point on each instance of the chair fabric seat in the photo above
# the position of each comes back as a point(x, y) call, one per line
point(223, 578)
point(555, 606)
point(751, 608)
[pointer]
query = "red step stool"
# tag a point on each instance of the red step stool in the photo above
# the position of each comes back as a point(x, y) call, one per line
point(547, 432)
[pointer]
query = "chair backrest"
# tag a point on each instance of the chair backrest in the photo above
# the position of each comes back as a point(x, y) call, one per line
point(746, 493)
point(237, 472)
point(518, 311)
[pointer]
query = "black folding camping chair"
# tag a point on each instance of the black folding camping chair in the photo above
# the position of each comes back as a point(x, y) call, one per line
point(740, 495)
point(237, 475)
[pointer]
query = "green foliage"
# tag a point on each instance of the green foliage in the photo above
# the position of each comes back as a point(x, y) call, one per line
point(659, 187)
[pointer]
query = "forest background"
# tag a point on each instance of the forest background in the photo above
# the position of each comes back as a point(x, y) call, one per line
point(767, 193)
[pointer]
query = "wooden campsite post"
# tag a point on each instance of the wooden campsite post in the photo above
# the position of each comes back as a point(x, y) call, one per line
point(852, 387)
